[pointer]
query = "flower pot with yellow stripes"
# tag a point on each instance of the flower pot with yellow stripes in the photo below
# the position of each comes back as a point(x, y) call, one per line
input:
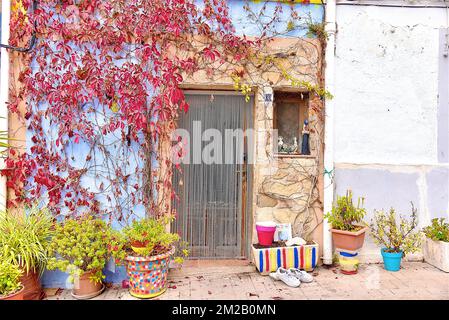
point(148, 275)
point(303, 257)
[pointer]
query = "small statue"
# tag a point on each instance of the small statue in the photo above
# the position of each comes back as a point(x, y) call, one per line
point(280, 144)
point(305, 147)
point(295, 145)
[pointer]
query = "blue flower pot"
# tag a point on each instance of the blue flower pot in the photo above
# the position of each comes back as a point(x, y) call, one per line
point(392, 261)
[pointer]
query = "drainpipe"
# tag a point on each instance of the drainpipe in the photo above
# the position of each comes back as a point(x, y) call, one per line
point(4, 89)
point(329, 128)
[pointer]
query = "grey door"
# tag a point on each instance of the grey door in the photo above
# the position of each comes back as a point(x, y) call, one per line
point(214, 205)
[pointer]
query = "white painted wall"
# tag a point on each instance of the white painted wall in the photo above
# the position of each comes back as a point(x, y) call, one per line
point(386, 84)
point(386, 102)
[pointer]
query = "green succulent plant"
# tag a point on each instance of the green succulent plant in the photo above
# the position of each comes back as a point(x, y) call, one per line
point(396, 234)
point(79, 246)
point(9, 278)
point(344, 215)
point(24, 238)
point(438, 230)
point(152, 234)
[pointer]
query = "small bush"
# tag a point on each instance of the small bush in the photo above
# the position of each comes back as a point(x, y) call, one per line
point(344, 215)
point(395, 234)
point(438, 230)
point(152, 235)
point(9, 278)
point(25, 237)
point(81, 245)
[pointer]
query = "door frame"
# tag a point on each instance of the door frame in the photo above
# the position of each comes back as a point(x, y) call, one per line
point(247, 216)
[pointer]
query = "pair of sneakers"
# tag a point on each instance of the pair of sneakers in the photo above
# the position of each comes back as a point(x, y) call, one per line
point(291, 277)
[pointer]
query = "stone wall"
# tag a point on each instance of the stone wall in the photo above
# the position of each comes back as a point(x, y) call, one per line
point(288, 188)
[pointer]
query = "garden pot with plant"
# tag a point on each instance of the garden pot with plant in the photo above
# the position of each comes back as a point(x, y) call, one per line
point(80, 247)
point(396, 236)
point(24, 240)
point(147, 266)
point(348, 229)
point(10, 286)
point(436, 244)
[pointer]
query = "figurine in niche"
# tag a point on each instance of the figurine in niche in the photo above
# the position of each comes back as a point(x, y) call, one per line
point(280, 144)
point(305, 148)
point(294, 148)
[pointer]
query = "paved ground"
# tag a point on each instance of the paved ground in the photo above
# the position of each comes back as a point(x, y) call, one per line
point(415, 280)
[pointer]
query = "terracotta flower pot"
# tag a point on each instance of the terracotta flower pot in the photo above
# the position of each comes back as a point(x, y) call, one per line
point(33, 289)
point(348, 240)
point(85, 288)
point(148, 275)
point(19, 295)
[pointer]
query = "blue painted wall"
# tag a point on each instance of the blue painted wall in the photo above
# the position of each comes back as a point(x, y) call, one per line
point(244, 26)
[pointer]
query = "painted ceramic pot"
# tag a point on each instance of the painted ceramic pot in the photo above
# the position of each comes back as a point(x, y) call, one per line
point(139, 247)
point(148, 275)
point(392, 260)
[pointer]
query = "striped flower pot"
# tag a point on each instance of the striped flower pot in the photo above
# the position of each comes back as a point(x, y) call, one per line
point(270, 259)
point(148, 275)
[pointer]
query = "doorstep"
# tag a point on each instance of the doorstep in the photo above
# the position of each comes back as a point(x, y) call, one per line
point(227, 266)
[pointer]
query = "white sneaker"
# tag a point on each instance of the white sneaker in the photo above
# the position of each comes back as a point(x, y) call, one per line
point(302, 276)
point(286, 276)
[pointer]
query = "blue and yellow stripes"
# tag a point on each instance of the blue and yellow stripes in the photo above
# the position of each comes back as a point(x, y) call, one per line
point(270, 259)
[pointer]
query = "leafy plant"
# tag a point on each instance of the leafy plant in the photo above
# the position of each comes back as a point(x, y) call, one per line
point(394, 234)
point(24, 238)
point(346, 216)
point(438, 230)
point(79, 246)
point(4, 142)
point(318, 30)
point(9, 277)
point(152, 235)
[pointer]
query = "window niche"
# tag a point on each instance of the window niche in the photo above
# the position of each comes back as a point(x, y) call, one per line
point(289, 113)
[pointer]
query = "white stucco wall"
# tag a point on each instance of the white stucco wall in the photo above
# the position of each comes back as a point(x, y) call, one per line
point(388, 92)
point(386, 84)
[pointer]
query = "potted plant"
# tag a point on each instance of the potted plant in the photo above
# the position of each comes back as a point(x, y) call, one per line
point(436, 244)
point(80, 247)
point(396, 236)
point(10, 286)
point(348, 229)
point(147, 248)
point(24, 240)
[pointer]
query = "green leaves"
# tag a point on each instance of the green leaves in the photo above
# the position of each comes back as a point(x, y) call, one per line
point(153, 234)
point(24, 238)
point(396, 234)
point(438, 230)
point(9, 278)
point(344, 215)
point(80, 245)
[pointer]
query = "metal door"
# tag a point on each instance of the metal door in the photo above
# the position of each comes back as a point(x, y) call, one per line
point(214, 205)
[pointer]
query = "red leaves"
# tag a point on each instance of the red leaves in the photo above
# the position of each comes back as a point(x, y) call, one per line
point(211, 53)
point(108, 71)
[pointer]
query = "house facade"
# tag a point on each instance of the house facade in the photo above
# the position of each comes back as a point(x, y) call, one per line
point(384, 134)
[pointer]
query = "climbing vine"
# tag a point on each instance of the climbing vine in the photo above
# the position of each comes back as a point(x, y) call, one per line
point(102, 87)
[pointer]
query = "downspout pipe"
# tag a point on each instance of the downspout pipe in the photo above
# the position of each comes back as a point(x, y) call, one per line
point(329, 128)
point(4, 89)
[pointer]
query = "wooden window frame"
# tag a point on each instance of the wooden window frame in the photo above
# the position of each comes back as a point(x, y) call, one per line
point(292, 97)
